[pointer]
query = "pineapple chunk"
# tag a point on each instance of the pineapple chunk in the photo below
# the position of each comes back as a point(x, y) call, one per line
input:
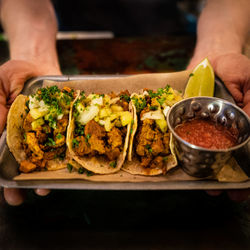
point(108, 125)
point(162, 125)
point(116, 108)
point(125, 117)
point(37, 123)
point(114, 116)
point(105, 112)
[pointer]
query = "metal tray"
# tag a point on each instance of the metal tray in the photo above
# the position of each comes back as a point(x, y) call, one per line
point(9, 167)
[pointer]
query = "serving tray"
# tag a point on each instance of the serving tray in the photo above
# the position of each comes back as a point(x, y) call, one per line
point(9, 167)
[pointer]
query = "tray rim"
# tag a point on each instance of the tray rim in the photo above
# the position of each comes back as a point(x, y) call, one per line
point(92, 185)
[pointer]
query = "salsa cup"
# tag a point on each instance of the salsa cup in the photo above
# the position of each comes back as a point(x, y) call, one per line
point(198, 161)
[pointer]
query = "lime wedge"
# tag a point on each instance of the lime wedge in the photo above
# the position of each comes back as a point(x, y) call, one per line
point(201, 81)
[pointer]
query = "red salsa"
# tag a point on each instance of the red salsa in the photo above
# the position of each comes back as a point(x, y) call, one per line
point(207, 134)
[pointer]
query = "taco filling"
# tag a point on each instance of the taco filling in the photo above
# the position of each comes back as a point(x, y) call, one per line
point(44, 127)
point(100, 127)
point(150, 143)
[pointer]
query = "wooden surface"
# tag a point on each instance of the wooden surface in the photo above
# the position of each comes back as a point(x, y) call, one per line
point(124, 219)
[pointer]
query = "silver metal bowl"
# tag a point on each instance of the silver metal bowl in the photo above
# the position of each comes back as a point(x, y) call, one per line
point(198, 161)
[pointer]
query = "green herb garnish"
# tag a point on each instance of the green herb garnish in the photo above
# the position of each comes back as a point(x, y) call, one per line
point(79, 129)
point(125, 97)
point(75, 143)
point(69, 167)
point(161, 100)
point(59, 136)
point(113, 164)
point(50, 142)
point(89, 173)
point(87, 139)
point(80, 170)
point(191, 74)
point(140, 103)
point(148, 147)
point(153, 107)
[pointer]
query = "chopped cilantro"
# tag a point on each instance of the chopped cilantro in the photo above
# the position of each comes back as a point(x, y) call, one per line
point(25, 136)
point(66, 98)
point(150, 150)
point(125, 97)
point(80, 170)
point(160, 91)
point(52, 121)
point(102, 95)
point(152, 94)
point(69, 167)
point(50, 142)
point(153, 107)
point(140, 103)
point(89, 173)
point(59, 136)
point(113, 164)
point(79, 128)
point(161, 100)
point(88, 136)
point(75, 143)
point(167, 87)
point(191, 74)
point(27, 104)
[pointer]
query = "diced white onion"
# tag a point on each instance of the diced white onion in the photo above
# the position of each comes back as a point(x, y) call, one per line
point(59, 117)
point(165, 110)
point(88, 114)
point(154, 115)
point(98, 101)
point(33, 102)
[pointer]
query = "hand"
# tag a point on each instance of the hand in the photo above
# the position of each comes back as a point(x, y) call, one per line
point(13, 75)
point(234, 70)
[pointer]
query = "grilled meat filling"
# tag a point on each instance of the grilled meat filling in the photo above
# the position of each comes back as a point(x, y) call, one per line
point(98, 141)
point(151, 144)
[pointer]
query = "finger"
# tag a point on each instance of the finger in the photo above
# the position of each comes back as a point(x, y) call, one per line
point(247, 102)
point(3, 117)
point(214, 192)
point(13, 196)
point(235, 91)
point(42, 192)
point(239, 195)
point(247, 109)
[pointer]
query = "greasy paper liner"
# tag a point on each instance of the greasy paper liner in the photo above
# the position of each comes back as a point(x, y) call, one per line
point(231, 172)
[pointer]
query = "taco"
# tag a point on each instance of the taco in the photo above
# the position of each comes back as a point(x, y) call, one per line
point(151, 150)
point(37, 126)
point(99, 131)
